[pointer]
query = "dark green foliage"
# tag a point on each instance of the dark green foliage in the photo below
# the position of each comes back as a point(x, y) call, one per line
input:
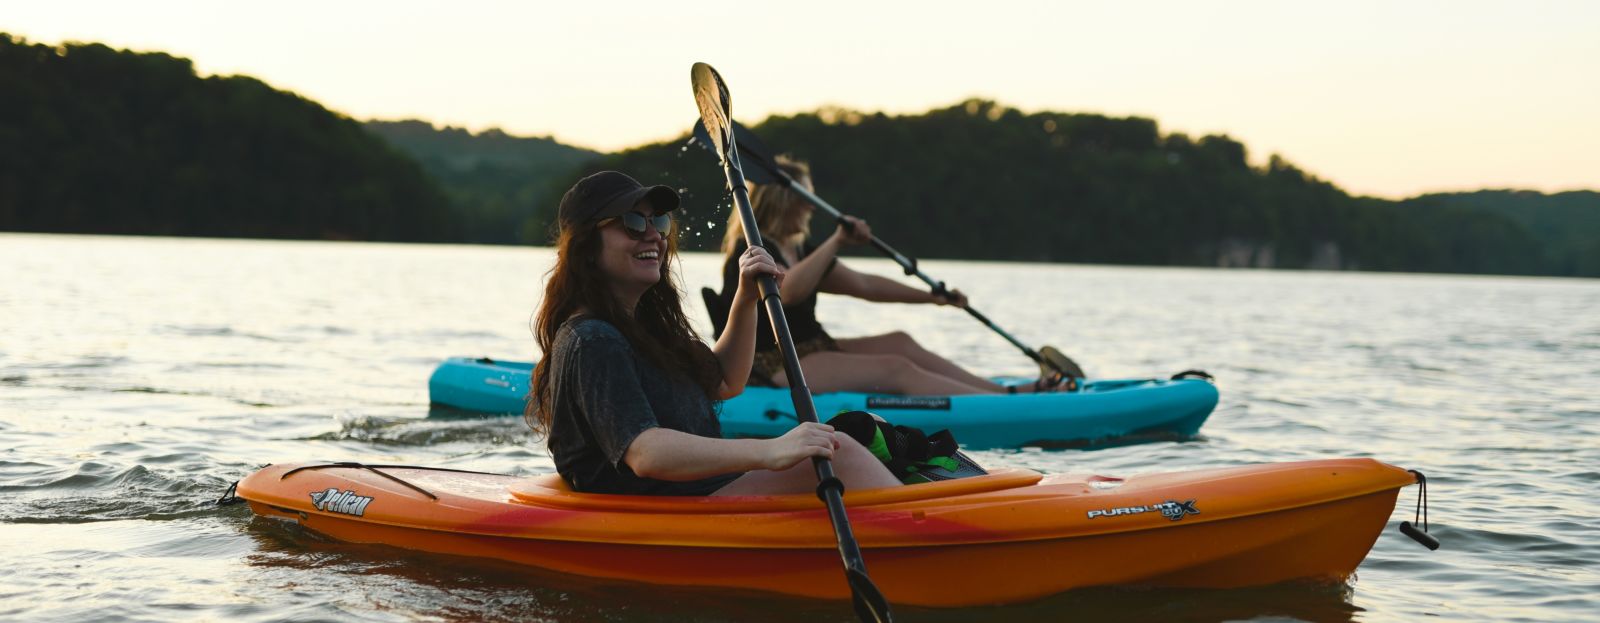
point(1566, 225)
point(493, 179)
point(982, 181)
point(95, 140)
point(109, 141)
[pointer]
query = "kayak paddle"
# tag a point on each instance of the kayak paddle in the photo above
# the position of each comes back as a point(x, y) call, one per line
point(766, 171)
point(716, 115)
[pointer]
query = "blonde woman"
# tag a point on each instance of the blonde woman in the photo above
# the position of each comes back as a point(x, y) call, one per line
point(889, 363)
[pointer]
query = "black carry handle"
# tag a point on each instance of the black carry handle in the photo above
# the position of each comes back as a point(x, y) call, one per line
point(1410, 529)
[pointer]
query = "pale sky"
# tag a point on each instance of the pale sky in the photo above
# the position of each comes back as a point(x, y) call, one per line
point(1387, 98)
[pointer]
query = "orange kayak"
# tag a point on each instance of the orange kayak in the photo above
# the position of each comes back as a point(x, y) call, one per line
point(1010, 536)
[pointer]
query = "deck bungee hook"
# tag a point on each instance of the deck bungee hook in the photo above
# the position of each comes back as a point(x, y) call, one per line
point(377, 469)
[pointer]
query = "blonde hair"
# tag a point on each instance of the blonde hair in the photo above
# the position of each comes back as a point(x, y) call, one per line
point(777, 208)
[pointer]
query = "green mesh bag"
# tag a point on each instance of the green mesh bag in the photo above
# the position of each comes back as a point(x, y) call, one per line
point(911, 455)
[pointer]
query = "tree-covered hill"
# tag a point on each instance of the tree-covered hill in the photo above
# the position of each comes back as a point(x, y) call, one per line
point(493, 179)
point(96, 140)
point(107, 141)
point(1566, 225)
point(982, 181)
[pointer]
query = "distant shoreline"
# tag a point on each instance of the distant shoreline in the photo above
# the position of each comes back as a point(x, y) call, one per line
point(889, 265)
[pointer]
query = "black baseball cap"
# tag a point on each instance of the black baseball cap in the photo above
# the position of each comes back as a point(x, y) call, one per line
point(607, 194)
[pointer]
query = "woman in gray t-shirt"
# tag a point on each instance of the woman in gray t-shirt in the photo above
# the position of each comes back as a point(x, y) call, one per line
point(626, 391)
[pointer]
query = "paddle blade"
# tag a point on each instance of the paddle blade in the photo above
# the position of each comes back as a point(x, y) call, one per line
point(870, 604)
point(716, 107)
point(1055, 361)
point(750, 151)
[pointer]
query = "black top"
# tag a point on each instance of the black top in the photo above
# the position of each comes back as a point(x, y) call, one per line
point(604, 395)
point(802, 316)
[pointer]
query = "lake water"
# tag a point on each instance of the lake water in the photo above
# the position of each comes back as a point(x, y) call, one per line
point(140, 376)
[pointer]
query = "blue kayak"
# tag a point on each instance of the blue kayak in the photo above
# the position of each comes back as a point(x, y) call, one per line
point(1107, 412)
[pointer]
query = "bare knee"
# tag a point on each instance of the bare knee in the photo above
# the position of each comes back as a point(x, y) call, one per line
point(849, 448)
point(901, 339)
point(911, 345)
point(897, 373)
point(858, 467)
point(901, 367)
point(850, 454)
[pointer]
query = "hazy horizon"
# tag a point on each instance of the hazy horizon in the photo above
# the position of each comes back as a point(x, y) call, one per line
point(1382, 99)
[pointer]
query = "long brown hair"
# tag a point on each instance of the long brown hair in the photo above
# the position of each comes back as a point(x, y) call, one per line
point(775, 206)
point(657, 329)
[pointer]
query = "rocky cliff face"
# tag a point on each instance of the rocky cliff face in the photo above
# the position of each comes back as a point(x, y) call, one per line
point(1244, 253)
point(1241, 253)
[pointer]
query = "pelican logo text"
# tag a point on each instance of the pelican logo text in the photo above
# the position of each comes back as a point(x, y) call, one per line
point(335, 501)
point(1171, 509)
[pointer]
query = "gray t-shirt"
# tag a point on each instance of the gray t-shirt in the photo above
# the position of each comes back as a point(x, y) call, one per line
point(603, 395)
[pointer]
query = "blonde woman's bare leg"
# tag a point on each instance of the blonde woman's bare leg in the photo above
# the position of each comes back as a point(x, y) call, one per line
point(838, 371)
point(901, 343)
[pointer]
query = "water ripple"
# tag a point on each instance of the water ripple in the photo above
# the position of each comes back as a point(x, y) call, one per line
point(140, 376)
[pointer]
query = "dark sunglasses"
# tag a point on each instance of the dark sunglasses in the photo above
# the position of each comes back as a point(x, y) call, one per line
point(635, 223)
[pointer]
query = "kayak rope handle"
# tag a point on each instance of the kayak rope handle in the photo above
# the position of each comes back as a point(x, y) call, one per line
point(1422, 500)
point(228, 497)
point(1409, 528)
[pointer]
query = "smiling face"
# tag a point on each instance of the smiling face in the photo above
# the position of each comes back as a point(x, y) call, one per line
point(631, 266)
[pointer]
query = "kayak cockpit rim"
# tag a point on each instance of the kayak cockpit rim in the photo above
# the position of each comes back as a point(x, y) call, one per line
point(550, 491)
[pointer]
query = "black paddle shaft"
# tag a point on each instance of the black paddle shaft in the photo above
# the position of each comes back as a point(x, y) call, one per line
point(828, 483)
point(829, 488)
point(712, 97)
